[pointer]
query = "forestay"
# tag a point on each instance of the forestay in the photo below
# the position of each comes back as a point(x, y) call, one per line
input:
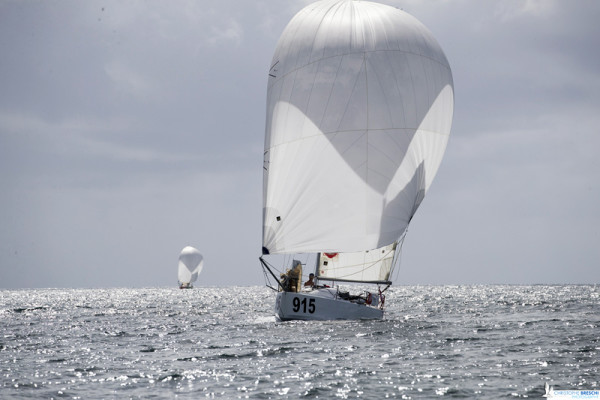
point(359, 108)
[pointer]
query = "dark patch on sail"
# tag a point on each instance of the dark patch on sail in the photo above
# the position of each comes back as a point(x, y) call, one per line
point(414, 191)
point(270, 234)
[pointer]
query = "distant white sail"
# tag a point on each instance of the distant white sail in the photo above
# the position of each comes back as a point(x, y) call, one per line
point(190, 265)
point(359, 108)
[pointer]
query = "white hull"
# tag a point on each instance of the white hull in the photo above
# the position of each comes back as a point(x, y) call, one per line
point(321, 305)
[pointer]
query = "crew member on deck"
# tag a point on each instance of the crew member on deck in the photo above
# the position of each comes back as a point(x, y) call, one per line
point(310, 282)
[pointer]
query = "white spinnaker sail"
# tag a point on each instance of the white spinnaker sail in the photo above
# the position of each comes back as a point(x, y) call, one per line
point(190, 264)
point(359, 108)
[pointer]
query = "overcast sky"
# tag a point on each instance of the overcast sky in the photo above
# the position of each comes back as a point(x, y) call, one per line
point(129, 130)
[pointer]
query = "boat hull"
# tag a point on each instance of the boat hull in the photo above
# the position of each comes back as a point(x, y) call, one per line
point(321, 305)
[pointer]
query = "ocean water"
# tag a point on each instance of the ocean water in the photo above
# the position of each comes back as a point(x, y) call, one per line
point(483, 342)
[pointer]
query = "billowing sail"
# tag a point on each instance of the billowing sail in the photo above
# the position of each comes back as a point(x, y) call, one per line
point(359, 108)
point(190, 265)
point(372, 266)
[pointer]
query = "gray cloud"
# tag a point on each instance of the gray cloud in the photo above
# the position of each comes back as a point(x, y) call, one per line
point(129, 130)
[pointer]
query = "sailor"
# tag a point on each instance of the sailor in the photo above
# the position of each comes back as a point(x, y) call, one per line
point(310, 282)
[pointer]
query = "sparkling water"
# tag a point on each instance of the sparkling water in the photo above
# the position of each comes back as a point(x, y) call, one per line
point(435, 341)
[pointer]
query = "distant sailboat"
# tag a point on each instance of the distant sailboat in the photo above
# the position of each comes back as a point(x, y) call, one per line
point(190, 266)
point(359, 108)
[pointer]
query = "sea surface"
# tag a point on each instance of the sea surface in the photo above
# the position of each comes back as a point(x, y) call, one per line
point(485, 342)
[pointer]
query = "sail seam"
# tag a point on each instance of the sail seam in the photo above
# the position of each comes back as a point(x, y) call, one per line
point(361, 130)
point(364, 52)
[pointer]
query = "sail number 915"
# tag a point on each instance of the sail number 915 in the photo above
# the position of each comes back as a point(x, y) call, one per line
point(303, 305)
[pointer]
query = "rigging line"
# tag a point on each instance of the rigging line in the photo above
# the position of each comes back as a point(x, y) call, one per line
point(382, 85)
point(267, 280)
point(330, 92)
point(387, 287)
point(266, 265)
point(321, 22)
point(365, 52)
point(352, 95)
point(368, 110)
point(366, 21)
point(373, 264)
point(396, 262)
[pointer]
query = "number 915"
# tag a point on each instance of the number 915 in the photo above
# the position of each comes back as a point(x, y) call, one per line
point(301, 305)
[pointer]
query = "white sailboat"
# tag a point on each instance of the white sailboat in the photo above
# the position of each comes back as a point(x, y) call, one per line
point(359, 108)
point(190, 266)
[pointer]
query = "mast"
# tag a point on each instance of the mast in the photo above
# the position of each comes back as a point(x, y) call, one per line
point(317, 269)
